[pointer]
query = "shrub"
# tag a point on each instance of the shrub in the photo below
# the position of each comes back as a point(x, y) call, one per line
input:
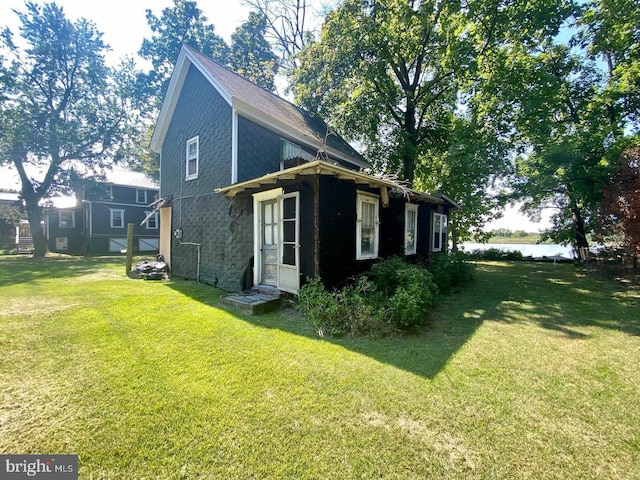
point(319, 306)
point(409, 290)
point(393, 295)
point(354, 309)
point(497, 254)
point(450, 271)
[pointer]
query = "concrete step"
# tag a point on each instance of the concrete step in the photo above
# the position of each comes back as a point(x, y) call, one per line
point(253, 301)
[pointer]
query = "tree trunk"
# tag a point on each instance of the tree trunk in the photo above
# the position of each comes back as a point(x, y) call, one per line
point(409, 168)
point(580, 237)
point(34, 214)
point(410, 149)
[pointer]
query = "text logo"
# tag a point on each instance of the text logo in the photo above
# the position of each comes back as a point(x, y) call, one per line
point(40, 467)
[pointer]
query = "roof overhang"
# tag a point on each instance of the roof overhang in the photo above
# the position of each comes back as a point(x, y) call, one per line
point(320, 167)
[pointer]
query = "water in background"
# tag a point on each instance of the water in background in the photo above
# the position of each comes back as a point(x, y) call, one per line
point(527, 249)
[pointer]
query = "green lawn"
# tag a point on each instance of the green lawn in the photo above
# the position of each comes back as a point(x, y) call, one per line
point(532, 372)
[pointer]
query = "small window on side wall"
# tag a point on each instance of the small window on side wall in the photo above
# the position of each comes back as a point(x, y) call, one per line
point(193, 153)
point(439, 232)
point(367, 228)
point(66, 219)
point(410, 228)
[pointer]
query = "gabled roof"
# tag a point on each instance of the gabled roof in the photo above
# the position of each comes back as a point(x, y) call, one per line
point(319, 167)
point(253, 103)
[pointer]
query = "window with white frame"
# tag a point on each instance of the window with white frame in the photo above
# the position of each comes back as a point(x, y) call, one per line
point(439, 232)
point(152, 222)
point(66, 219)
point(193, 153)
point(410, 228)
point(367, 226)
point(116, 218)
point(141, 195)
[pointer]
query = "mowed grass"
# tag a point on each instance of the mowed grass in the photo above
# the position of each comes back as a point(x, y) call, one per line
point(532, 372)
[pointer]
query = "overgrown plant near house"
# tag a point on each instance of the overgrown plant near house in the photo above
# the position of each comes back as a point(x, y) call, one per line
point(394, 295)
point(450, 271)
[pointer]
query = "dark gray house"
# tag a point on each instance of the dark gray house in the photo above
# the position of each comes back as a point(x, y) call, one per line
point(257, 191)
point(97, 223)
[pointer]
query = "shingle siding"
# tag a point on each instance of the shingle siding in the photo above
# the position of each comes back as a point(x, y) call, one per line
point(258, 150)
point(223, 228)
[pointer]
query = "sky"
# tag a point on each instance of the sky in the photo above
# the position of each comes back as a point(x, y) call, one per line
point(124, 25)
point(123, 22)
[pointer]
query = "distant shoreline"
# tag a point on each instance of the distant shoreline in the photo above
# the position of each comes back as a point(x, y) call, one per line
point(530, 238)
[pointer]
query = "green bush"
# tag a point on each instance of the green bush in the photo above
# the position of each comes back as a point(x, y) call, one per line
point(497, 254)
point(450, 271)
point(394, 295)
point(355, 309)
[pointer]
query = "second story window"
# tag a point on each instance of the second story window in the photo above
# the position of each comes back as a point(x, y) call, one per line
point(141, 195)
point(117, 218)
point(192, 158)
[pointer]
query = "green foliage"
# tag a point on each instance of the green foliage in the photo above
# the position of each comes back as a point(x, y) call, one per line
point(502, 232)
point(354, 309)
point(450, 271)
point(394, 295)
point(251, 55)
point(63, 104)
point(384, 74)
point(182, 23)
point(496, 254)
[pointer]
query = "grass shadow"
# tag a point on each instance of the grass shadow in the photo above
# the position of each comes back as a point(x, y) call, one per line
point(423, 352)
point(562, 299)
point(558, 298)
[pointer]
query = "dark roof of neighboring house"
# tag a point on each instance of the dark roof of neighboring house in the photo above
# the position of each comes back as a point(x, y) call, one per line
point(257, 104)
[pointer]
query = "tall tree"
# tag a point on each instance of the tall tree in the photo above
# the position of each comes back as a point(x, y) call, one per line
point(563, 109)
point(385, 74)
point(473, 171)
point(287, 26)
point(548, 101)
point(251, 55)
point(620, 208)
point(63, 104)
point(184, 23)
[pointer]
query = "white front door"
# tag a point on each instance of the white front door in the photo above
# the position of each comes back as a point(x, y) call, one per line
point(277, 239)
